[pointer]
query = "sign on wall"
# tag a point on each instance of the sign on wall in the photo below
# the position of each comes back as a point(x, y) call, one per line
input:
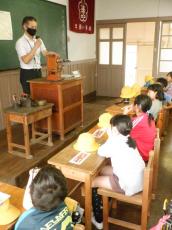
point(81, 16)
point(6, 32)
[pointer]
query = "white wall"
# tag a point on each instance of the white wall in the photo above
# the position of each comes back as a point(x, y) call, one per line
point(115, 9)
point(83, 46)
point(80, 46)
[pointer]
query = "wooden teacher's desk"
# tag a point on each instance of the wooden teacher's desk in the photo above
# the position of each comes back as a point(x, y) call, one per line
point(67, 97)
point(16, 200)
point(85, 172)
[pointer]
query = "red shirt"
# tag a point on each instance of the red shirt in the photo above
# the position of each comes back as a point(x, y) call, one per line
point(144, 135)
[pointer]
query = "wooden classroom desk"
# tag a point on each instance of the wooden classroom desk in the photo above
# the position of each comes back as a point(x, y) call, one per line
point(16, 200)
point(85, 172)
point(118, 109)
point(26, 116)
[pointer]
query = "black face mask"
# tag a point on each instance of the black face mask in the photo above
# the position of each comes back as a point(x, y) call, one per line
point(31, 31)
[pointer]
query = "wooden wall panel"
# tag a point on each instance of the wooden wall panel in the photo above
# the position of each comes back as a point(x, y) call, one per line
point(10, 84)
point(87, 69)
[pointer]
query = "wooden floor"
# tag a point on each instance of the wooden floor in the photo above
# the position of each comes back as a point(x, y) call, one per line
point(13, 168)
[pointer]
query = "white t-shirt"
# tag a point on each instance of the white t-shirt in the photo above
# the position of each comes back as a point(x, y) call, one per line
point(23, 47)
point(126, 162)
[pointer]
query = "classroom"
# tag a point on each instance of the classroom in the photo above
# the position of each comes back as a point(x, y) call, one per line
point(85, 114)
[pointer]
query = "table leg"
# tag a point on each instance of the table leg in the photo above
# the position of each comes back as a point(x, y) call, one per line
point(33, 131)
point(88, 203)
point(26, 141)
point(50, 143)
point(62, 136)
point(9, 133)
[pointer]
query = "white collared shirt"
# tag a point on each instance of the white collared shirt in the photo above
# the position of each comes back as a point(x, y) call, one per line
point(23, 47)
point(126, 162)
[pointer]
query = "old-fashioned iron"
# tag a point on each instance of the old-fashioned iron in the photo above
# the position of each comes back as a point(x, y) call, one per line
point(15, 102)
point(24, 101)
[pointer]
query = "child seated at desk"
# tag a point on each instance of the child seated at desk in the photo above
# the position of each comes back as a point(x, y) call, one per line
point(144, 130)
point(48, 191)
point(155, 92)
point(169, 86)
point(125, 174)
point(164, 83)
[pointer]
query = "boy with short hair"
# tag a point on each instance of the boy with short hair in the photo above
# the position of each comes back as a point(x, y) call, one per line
point(48, 191)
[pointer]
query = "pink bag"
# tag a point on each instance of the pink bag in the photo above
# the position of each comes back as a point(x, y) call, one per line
point(161, 222)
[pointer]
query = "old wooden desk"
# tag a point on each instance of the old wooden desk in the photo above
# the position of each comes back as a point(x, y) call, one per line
point(83, 173)
point(67, 96)
point(117, 109)
point(16, 200)
point(26, 116)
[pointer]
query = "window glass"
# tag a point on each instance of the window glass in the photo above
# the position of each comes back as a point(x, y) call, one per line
point(166, 42)
point(117, 53)
point(165, 66)
point(166, 54)
point(117, 33)
point(104, 53)
point(167, 29)
point(104, 33)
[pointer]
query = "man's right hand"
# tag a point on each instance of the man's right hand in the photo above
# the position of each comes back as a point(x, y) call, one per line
point(28, 57)
point(38, 43)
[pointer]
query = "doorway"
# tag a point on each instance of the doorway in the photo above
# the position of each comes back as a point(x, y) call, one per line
point(110, 53)
point(140, 37)
point(130, 64)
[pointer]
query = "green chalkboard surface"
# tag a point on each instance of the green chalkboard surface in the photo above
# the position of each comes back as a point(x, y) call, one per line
point(52, 28)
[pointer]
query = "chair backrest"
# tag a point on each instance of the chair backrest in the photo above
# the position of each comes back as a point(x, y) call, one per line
point(148, 179)
point(157, 143)
point(160, 123)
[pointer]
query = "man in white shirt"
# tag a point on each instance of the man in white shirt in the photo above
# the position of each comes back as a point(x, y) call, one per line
point(29, 48)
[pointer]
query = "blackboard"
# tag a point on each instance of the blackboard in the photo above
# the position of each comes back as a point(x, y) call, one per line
point(52, 28)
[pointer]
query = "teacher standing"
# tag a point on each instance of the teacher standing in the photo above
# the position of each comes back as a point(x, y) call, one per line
point(29, 48)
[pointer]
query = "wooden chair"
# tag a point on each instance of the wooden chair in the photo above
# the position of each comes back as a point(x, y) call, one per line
point(160, 123)
point(142, 199)
point(157, 143)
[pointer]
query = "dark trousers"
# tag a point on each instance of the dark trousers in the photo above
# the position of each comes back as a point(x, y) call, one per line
point(26, 75)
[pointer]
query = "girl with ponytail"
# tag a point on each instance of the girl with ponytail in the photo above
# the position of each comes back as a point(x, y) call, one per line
point(125, 174)
point(144, 130)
